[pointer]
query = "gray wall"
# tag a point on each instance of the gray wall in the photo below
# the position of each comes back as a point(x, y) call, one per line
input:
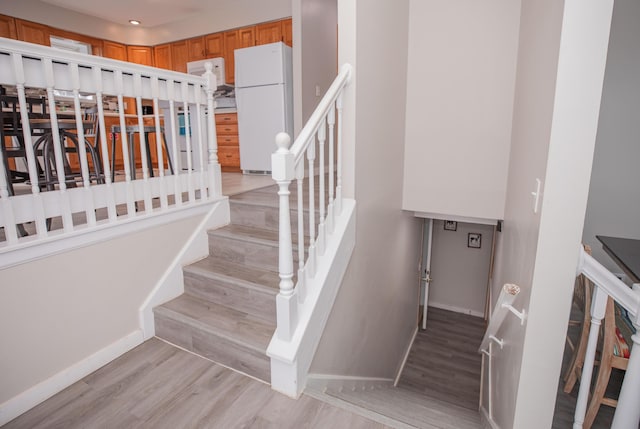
point(614, 195)
point(460, 274)
point(375, 313)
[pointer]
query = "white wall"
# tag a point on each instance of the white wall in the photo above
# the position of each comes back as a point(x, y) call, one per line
point(462, 59)
point(57, 311)
point(375, 312)
point(315, 54)
point(221, 15)
point(561, 61)
point(460, 274)
point(614, 195)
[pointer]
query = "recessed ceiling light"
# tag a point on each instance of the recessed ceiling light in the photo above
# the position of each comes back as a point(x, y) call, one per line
point(134, 22)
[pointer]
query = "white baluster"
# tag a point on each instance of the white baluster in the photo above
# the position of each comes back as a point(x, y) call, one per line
point(89, 205)
point(598, 307)
point(311, 259)
point(67, 221)
point(10, 230)
point(131, 206)
point(104, 148)
point(282, 162)
point(187, 136)
point(302, 285)
point(174, 143)
point(322, 136)
point(159, 141)
point(331, 120)
point(38, 202)
point(339, 155)
point(201, 151)
point(137, 90)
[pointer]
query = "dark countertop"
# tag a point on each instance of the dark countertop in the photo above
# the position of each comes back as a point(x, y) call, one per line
point(625, 252)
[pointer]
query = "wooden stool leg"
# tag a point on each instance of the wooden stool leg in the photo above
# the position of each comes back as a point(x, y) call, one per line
point(604, 372)
point(149, 162)
point(166, 148)
point(113, 156)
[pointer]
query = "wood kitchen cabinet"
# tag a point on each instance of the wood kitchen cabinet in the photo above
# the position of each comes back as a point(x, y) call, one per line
point(287, 31)
point(228, 147)
point(162, 56)
point(140, 55)
point(32, 32)
point(8, 27)
point(236, 39)
point(116, 51)
point(214, 45)
point(268, 32)
point(179, 56)
point(196, 48)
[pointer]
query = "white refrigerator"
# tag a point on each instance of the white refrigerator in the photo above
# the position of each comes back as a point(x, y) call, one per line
point(264, 99)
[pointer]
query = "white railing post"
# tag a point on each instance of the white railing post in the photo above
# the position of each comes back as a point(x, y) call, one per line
point(339, 156)
point(302, 286)
point(311, 156)
point(322, 136)
point(282, 164)
point(213, 166)
point(331, 120)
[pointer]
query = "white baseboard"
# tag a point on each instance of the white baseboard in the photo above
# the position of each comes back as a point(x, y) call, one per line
point(487, 421)
point(28, 399)
point(406, 356)
point(456, 309)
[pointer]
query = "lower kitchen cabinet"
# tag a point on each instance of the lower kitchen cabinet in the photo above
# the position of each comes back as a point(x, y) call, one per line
point(228, 145)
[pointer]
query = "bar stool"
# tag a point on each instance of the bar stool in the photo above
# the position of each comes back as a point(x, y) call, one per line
point(131, 130)
point(44, 146)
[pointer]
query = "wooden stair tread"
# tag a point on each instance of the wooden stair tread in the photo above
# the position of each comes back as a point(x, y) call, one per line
point(247, 233)
point(233, 325)
point(246, 275)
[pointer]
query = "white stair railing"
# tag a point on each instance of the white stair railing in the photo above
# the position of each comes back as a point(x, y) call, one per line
point(607, 285)
point(288, 164)
point(81, 81)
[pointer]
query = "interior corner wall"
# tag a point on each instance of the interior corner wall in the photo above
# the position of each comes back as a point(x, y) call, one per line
point(613, 208)
point(57, 311)
point(375, 313)
point(460, 273)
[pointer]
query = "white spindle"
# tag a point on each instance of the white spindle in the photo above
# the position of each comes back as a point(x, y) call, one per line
point(177, 194)
point(311, 261)
point(89, 207)
point(10, 230)
point(159, 141)
point(187, 137)
point(627, 412)
point(67, 221)
point(302, 285)
point(201, 151)
point(331, 119)
point(339, 155)
point(286, 303)
point(131, 205)
point(137, 89)
point(322, 136)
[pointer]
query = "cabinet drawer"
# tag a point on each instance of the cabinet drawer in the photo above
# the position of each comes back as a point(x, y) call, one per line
point(229, 156)
point(226, 118)
point(228, 140)
point(227, 129)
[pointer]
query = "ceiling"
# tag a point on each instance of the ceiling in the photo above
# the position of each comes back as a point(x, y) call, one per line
point(150, 13)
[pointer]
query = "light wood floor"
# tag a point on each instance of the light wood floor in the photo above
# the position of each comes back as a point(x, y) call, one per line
point(159, 386)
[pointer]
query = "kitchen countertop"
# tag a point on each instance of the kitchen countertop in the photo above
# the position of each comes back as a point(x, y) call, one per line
point(222, 110)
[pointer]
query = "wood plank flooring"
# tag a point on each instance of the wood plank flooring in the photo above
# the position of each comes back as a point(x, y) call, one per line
point(157, 385)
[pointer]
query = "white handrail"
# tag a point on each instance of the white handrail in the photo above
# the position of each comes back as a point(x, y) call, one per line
point(606, 284)
point(288, 164)
point(503, 306)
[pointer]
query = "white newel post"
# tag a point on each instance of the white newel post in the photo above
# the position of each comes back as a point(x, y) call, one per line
point(282, 165)
point(213, 166)
point(598, 308)
point(628, 412)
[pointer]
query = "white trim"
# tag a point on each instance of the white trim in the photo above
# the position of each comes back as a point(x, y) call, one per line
point(321, 382)
point(464, 219)
point(171, 283)
point(406, 356)
point(456, 309)
point(59, 242)
point(486, 420)
point(28, 399)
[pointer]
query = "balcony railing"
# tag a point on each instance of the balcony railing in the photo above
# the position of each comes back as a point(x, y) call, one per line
point(73, 159)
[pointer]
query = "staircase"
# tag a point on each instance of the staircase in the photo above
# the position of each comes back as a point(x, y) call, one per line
point(227, 312)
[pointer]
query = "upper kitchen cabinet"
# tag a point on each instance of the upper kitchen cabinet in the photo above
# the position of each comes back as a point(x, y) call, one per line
point(114, 50)
point(236, 39)
point(269, 32)
point(287, 31)
point(180, 56)
point(162, 56)
point(196, 48)
point(214, 45)
point(140, 55)
point(8, 27)
point(31, 32)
